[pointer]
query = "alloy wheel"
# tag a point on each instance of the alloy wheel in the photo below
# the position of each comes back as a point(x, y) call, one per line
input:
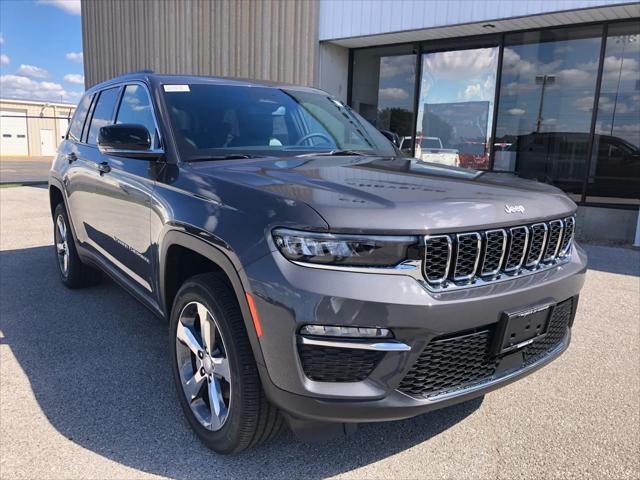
point(62, 245)
point(203, 366)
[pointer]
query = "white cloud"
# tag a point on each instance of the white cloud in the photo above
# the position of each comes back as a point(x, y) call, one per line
point(393, 94)
point(16, 86)
point(460, 64)
point(69, 6)
point(4, 59)
point(516, 111)
point(74, 78)
point(74, 56)
point(484, 91)
point(472, 91)
point(32, 71)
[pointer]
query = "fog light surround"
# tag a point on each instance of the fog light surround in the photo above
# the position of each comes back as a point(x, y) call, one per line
point(345, 332)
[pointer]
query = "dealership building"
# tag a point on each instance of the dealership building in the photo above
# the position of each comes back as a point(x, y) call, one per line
point(32, 127)
point(548, 90)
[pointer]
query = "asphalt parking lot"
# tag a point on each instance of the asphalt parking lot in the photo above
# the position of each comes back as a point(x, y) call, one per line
point(24, 169)
point(86, 391)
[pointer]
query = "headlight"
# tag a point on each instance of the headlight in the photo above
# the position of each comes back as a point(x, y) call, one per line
point(344, 250)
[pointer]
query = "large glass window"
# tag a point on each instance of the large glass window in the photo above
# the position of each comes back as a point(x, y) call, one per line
point(614, 171)
point(211, 121)
point(75, 132)
point(135, 107)
point(383, 90)
point(455, 110)
point(547, 93)
point(102, 113)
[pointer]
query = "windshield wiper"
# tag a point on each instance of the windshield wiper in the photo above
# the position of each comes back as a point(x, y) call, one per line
point(230, 156)
point(334, 153)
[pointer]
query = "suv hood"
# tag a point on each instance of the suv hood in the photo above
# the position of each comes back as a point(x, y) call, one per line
point(376, 194)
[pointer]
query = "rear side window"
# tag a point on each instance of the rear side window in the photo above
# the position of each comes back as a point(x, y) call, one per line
point(135, 107)
point(77, 122)
point(102, 113)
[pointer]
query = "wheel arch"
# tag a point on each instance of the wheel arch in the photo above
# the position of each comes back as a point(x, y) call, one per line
point(179, 249)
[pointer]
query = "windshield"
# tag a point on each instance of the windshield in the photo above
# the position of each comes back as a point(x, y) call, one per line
point(219, 120)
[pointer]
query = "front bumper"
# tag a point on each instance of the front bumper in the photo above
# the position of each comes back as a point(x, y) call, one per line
point(288, 296)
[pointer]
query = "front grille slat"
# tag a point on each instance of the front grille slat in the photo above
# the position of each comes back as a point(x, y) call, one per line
point(468, 247)
point(462, 360)
point(463, 259)
point(537, 244)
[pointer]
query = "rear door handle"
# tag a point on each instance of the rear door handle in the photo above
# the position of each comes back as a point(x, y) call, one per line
point(71, 157)
point(104, 167)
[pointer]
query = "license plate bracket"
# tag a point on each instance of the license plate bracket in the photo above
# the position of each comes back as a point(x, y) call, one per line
point(520, 328)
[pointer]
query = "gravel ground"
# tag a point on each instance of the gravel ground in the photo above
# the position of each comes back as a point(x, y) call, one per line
point(86, 391)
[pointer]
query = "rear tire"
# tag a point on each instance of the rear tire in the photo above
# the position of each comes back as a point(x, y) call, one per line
point(218, 365)
point(73, 273)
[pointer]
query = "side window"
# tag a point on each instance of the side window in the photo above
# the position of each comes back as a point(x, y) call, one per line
point(135, 107)
point(102, 113)
point(77, 122)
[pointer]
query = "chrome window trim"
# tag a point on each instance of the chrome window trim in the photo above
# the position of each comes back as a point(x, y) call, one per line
point(525, 248)
point(484, 253)
point(465, 278)
point(449, 256)
point(542, 249)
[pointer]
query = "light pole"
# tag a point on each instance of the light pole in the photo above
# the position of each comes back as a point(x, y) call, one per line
point(543, 80)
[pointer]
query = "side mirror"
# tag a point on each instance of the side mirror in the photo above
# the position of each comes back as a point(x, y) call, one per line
point(391, 136)
point(127, 140)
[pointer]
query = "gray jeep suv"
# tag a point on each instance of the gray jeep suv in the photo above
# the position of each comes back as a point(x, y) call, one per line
point(308, 272)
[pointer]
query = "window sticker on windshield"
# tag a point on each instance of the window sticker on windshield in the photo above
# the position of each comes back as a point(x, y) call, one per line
point(176, 88)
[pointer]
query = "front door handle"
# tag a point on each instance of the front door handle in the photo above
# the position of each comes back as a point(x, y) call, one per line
point(71, 157)
point(104, 167)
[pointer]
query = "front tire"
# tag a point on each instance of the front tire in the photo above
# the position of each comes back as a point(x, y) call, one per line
point(214, 369)
point(73, 273)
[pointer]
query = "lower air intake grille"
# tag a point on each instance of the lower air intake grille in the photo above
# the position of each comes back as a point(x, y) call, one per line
point(328, 364)
point(452, 363)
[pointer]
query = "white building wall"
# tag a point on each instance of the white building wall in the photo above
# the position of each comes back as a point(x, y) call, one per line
point(354, 18)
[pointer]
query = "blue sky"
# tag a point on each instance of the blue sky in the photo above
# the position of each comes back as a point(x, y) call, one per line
point(41, 50)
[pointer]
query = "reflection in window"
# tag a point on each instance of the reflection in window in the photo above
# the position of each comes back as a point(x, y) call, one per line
point(383, 90)
point(547, 93)
point(615, 166)
point(135, 108)
point(455, 109)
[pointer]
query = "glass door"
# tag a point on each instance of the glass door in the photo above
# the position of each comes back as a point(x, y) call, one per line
point(455, 107)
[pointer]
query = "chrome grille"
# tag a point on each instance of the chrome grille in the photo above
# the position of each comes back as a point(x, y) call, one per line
point(467, 255)
point(518, 242)
point(472, 258)
point(536, 244)
point(567, 236)
point(437, 258)
point(495, 245)
point(556, 227)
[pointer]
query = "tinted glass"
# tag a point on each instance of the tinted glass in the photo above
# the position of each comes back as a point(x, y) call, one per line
point(211, 119)
point(135, 107)
point(614, 172)
point(455, 109)
point(546, 98)
point(383, 89)
point(102, 113)
point(75, 132)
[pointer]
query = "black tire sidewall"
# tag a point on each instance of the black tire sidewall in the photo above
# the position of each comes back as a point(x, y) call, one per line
point(73, 270)
point(227, 438)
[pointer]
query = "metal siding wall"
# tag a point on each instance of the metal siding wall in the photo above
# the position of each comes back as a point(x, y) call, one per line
point(262, 39)
point(353, 18)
